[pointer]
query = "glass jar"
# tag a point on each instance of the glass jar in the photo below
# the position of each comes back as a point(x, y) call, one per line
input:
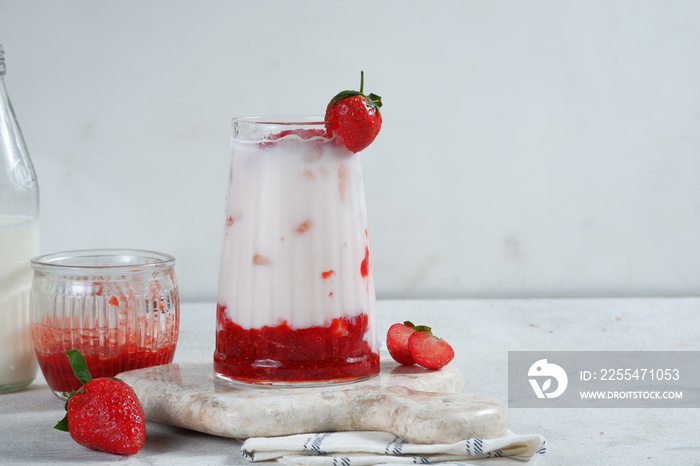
point(19, 242)
point(119, 308)
point(296, 302)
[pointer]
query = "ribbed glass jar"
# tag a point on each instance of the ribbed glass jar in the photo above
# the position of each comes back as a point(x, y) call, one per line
point(119, 308)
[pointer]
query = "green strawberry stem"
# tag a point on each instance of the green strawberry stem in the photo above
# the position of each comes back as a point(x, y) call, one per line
point(372, 99)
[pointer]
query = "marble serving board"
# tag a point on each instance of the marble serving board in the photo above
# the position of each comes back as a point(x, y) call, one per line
point(418, 405)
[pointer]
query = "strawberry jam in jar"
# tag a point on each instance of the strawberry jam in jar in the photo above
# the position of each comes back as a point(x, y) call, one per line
point(119, 308)
point(296, 303)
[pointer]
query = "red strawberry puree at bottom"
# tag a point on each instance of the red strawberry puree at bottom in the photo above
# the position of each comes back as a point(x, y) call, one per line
point(282, 354)
point(59, 374)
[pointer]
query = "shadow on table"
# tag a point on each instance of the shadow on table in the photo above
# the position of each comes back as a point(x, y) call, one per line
point(163, 439)
point(33, 399)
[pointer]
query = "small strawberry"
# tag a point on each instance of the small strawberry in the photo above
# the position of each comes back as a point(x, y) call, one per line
point(428, 350)
point(104, 414)
point(397, 342)
point(354, 117)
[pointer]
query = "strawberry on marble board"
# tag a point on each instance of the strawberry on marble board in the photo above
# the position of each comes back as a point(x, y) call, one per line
point(104, 414)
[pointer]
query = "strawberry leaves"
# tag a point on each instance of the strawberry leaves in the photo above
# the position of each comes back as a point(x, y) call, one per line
point(79, 365)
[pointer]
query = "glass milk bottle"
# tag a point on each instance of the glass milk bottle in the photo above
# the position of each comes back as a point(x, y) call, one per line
point(296, 300)
point(19, 242)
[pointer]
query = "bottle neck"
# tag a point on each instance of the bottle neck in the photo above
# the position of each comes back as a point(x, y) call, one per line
point(19, 191)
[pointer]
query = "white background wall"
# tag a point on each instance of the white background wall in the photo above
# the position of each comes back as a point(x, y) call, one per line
point(529, 148)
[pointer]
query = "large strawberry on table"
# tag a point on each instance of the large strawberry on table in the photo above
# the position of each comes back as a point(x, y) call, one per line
point(104, 414)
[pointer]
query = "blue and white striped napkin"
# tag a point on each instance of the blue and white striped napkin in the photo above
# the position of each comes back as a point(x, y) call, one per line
point(381, 448)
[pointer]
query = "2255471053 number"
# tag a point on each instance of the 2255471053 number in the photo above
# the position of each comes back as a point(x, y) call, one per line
point(639, 374)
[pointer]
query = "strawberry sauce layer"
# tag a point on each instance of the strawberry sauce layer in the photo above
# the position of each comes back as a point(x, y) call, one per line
point(107, 353)
point(59, 375)
point(337, 352)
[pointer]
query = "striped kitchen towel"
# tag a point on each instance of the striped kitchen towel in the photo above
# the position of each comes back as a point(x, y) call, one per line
point(376, 448)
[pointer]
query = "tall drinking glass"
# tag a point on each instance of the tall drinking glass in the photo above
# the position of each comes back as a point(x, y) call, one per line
point(296, 301)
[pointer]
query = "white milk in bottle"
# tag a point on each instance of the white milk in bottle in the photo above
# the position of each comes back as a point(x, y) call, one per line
point(19, 241)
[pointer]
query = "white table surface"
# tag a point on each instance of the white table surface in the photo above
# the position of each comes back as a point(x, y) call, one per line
point(482, 332)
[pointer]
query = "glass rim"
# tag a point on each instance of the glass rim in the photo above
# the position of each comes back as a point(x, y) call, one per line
point(266, 128)
point(300, 119)
point(107, 259)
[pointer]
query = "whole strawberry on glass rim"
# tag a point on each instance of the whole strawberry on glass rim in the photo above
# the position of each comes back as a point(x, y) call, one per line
point(104, 414)
point(354, 117)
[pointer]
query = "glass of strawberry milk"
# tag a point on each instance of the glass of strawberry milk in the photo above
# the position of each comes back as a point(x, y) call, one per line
point(119, 308)
point(296, 301)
